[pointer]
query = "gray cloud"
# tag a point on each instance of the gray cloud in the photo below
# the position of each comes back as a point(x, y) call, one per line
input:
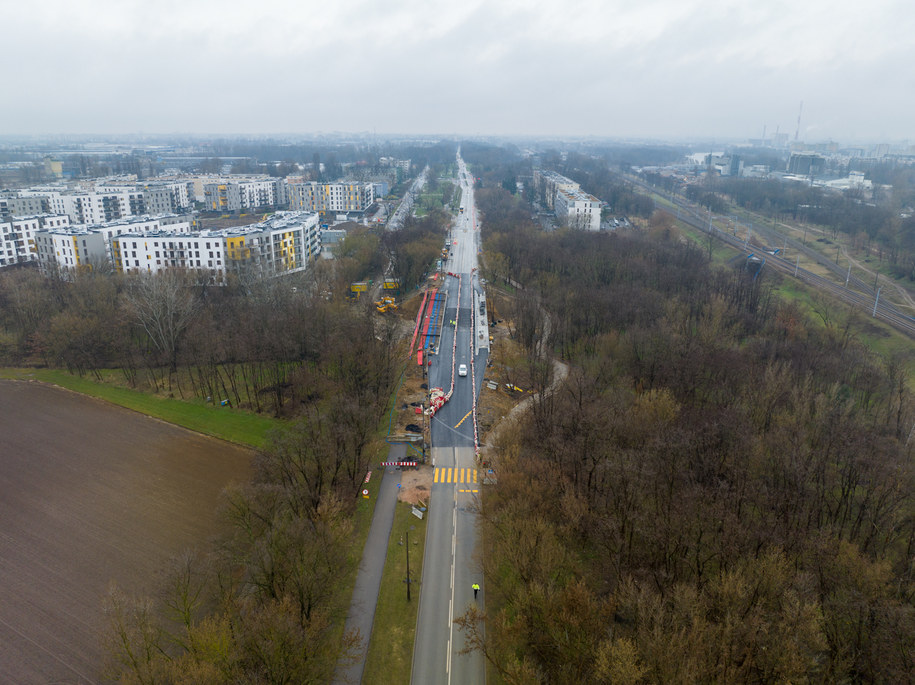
point(653, 68)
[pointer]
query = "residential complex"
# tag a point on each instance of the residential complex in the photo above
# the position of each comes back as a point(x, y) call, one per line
point(82, 223)
point(233, 195)
point(331, 197)
point(577, 209)
point(61, 247)
point(17, 236)
point(285, 243)
point(572, 206)
point(104, 202)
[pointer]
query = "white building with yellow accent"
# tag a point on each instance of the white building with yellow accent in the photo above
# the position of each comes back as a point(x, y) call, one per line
point(285, 243)
point(349, 196)
point(61, 247)
point(234, 194)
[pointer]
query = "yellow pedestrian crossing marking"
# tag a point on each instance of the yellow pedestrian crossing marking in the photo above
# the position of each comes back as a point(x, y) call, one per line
point(455, 475)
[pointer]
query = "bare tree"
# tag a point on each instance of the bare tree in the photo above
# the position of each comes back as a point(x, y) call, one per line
point(163, 305)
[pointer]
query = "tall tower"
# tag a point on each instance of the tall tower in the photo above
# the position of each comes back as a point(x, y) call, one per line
point(798, 129)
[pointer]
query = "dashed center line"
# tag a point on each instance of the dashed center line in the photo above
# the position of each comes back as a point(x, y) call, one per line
point(464, 419)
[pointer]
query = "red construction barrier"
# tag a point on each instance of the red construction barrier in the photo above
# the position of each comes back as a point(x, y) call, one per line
point(419, 317)
point(428, 319)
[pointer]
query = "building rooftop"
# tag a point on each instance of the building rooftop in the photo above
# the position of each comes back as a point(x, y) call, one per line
point(578, 196)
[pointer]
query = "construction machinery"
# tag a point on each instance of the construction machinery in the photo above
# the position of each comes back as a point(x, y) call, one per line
point(385, 304)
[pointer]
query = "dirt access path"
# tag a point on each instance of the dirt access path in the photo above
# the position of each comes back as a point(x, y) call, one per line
point(91, 493)
point(904, 294)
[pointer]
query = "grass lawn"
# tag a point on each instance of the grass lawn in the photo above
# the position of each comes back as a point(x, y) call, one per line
point(390, 654)
point(721, 252)
point(879, 337)
point(220, 422)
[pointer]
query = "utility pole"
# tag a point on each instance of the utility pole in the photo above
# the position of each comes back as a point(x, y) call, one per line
point(876, 300)
point(796, 265)
point(848, 275)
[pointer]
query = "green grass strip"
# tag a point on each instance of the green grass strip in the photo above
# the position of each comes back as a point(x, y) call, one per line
point(219, 422)
point(390, 653)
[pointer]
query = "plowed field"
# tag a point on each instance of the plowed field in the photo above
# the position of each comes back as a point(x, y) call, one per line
point(89, 494)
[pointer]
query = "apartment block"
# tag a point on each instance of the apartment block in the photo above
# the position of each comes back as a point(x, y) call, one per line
point(577, 209)
point(572, 206)
point(252, 193)
point(285, 243)
point(548, 183)
point(13, 205)
point(331, 197)
point(18, 237)
point(62, 247)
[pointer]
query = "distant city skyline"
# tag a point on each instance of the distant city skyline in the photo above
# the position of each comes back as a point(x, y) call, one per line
point(662, 69)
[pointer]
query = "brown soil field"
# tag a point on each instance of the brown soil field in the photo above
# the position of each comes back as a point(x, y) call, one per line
point(89, 494)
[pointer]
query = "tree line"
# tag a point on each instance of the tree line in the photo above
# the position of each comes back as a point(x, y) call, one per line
point(267, 602)
point(720, 491)
point(253, 342)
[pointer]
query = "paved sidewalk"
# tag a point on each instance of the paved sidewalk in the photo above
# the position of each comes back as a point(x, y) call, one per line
point(368, 582)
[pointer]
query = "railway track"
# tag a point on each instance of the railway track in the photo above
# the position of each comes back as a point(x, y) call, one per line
point(858, 294)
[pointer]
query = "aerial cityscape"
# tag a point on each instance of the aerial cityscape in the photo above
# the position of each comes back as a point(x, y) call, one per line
point(457, 343)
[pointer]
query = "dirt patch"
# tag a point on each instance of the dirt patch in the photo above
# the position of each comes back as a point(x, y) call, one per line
point(415, 485)
point(89, 494)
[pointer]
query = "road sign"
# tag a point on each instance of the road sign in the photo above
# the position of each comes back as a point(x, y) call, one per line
point(365, 493)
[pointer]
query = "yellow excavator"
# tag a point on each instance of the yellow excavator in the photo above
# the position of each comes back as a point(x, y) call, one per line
point(385, 304)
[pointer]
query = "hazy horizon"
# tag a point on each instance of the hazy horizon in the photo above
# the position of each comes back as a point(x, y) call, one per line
point(662, 70)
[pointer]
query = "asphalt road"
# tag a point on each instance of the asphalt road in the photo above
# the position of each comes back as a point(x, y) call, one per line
point(405, 208)
point(450, 566)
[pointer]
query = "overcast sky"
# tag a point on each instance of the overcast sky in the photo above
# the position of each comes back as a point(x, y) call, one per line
point(620, 68)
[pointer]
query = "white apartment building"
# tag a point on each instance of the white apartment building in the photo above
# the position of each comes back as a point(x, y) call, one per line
point(572, 206)
point(18, 236)
point(96, 207)
point(61, 247)
point(109, 201)
point(234, 194)
point(156, 251)
point(13, 205)
point(331, 197)
point(548, 183)
point(285, 243)
point(577, 209)
point(159, 197)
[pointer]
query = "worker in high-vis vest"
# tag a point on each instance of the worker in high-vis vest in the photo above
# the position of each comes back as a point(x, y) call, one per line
point(476, 589)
